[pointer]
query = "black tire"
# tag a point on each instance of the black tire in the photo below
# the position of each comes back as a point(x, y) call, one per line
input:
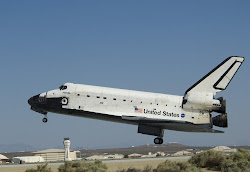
point(45, 120)
point(158, 141)
point(161, 141)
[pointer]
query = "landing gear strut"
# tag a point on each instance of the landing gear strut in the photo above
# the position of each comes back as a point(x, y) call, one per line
point(45, 119)
point(152, 130)
point(158, 140)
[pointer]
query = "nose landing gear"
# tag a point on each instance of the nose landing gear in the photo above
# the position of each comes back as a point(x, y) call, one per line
point(45, 119)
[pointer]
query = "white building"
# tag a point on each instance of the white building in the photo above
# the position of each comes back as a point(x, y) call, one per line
point(3, 159)
point(182, 153)
point(160, 154)
point(66, 144)
point(96, 157)
point(104, 157)
point(224, 149)
point(115, 156)
point(135, 155)
point(51, 155)
point(27, 159)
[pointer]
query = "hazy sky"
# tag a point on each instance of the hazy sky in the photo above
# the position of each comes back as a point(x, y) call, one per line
point(155, 46)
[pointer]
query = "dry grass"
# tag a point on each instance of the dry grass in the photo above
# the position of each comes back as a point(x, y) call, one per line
point(22, 169)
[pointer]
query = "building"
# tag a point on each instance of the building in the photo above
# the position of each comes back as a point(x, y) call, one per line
point(160, 154)
point(66, 144)
point(96, 157)
point(104, 157)
point(182, 153)
point(3, 159)
point(149, 155)
point(224, 149)
point(135, 155)
point(115, 156)
point(51, 155)
point(198, 152)
point(27, 159)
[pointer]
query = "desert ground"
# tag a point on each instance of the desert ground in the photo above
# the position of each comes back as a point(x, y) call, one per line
point(113, 165)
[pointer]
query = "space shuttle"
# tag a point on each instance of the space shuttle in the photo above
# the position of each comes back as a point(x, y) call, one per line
point(151, 112)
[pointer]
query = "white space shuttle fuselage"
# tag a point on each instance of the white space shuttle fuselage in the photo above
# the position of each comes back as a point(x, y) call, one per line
point(152, 112)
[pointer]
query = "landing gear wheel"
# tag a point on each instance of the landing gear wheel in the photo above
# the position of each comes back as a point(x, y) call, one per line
point(161, 141)
point(158, 141)
point(45, 120)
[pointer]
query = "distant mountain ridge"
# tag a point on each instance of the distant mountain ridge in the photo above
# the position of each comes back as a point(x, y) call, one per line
point(144, 149)
point(16, 148)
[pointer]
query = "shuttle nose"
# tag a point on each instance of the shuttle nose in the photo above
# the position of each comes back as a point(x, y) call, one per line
point(38, 104)
point(37, 99)
point(33, 100)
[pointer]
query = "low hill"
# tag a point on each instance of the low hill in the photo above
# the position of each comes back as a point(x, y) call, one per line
point(167, 148)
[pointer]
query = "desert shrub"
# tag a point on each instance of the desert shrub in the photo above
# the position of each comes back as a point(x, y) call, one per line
point(242, 154)
point(132, 169)
point(234, 162)
point(66, 167)
point(230, 166)
point(244, 165)
point(209, 159)
point(76, 164)
point(237, 162)
point(169, 166)
point(40, 168)
point(147, 169)
point(97, 166)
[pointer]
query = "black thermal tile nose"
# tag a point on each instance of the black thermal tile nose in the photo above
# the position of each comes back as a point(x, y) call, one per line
point(33, 100)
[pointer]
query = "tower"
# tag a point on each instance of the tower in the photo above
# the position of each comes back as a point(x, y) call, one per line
point(66, 143)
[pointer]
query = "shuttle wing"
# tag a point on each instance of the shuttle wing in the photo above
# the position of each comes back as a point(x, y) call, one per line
point(161, 122)
point(219, 78)
point(150, 120)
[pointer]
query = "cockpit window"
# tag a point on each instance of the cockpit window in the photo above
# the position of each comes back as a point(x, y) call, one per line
point(63, 87)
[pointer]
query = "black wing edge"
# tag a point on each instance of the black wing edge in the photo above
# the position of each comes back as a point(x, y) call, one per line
point(150, 120)
point(210, 130)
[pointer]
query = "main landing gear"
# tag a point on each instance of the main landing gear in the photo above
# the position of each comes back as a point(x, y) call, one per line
point(158, 140)
point(152, 130)
point(45, 119)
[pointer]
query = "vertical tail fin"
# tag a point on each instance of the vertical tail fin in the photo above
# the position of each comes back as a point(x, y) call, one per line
point(219, 78)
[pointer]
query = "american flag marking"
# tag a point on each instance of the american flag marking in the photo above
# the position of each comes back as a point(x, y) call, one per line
point(138, 110)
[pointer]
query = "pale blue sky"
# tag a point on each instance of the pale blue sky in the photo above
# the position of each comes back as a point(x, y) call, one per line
point(155, 46)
